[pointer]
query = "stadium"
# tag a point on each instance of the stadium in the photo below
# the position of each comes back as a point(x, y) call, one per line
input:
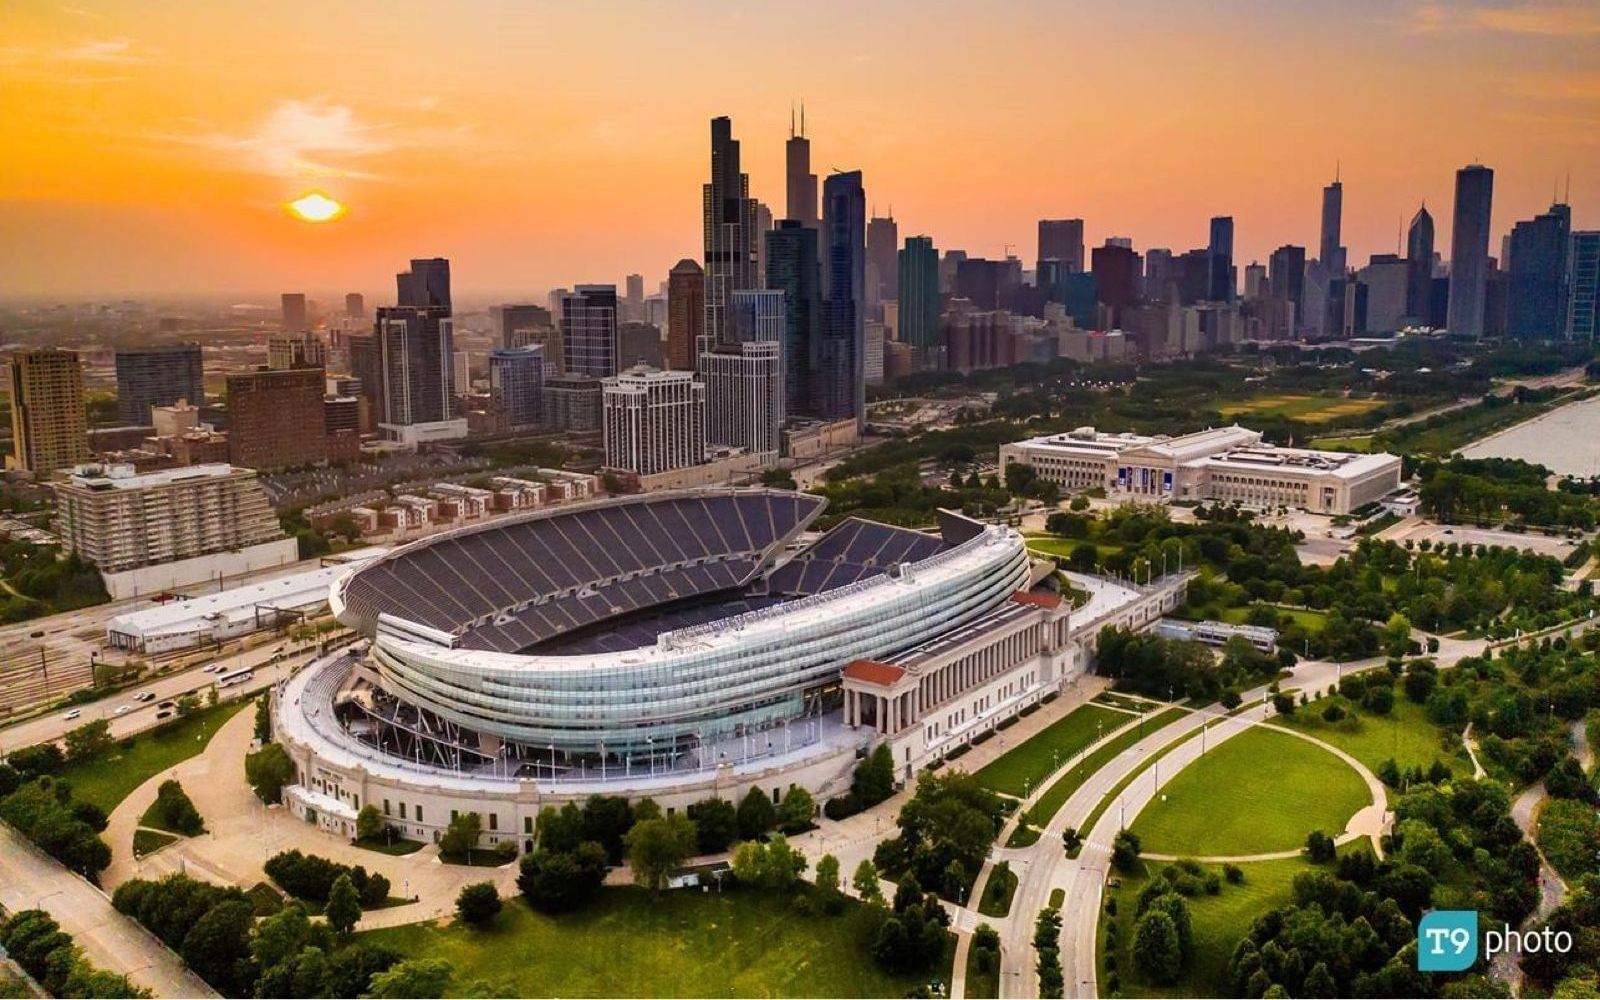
point(677, 645)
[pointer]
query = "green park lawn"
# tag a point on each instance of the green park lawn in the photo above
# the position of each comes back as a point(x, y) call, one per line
point(998, 891)
point(680, 943)
point(1058, 794)
point(1405, 735)
point(1258, 792)
point(1311, 621)
point(1220, 923)
point(1021, 768)
point(1052, 546)
point(1310, 409)
point(150, 841)
point(108, 779)
point(1359, 443)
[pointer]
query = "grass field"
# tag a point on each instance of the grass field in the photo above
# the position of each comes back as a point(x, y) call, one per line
point(1360, 443)
point(1057, 794)
point(1021, 768)
point(1260, 791)
point(678, 944)
point(1311, 621)
point(1062, 547)
point(1309, 409)
point(150, 841)
point(1219, 921)
point(107, 780)
point(1406, 735)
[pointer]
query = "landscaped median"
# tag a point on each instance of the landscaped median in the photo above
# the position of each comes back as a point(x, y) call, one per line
point(1021, 769)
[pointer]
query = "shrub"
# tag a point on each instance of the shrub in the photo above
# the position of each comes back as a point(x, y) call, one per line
point(478, 903)
point(174, 811)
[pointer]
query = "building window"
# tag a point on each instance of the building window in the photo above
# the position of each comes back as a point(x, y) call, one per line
point(419, 814)
point(403, 811)
point(494, 821)
point(386, 807)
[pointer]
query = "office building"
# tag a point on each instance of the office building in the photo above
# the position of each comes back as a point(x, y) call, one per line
point(589, 330)
point(729, 216)
point(461, 372)
point(654, 421)
point(793, 270)
point(838, 385)
point(1329, 249)
point(1536, 289)
point(759, 240)
point(366, 364)
point(1061, 239)
point(1419, 267)
point(355, 306)
point(522, 324)
point(919, 293)
point(172, 529)
point(426, 285)
point(157, 375)
point(757, 317)
point(877, 334)
point(883, 263)
point(276, 419)
point(1286, 275)
point(1469, 251)
point(1583, 284)
point(297, 350)
point(49, 425)
point(744, 397)
point(633, 305)
point(686, 314)
point(1255, 281)
point(516, 386)
point(1221, 285)
point(1383, 283)
point(295, 319)
point(416, 352)
point(639, 344)
point(800, 182)
point(1116, 280)
point(571, 402)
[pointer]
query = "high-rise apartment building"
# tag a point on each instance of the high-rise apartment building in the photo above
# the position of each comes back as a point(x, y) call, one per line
point(1469, 251)
point(49, 425)
point(686, 314)
point(801, 183)
point(589, 330)
point(729, 216)
point(838, 381)
point(1536, 292)
point(157, 375)
point(295, 317)
point(793, 270)
point(1419, 266)
point(1583, 284)
point(276, 419)
point(297, 350)
point(883, 263)
point(1062, 239)
point(744, 397)
point(919, 293)
point(426, 285)
point(416, 349)
point(654, 421)
point(516, 386)
point(571, 402)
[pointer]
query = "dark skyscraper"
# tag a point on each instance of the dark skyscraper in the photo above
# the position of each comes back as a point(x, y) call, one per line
point(1116, 280)
point(801, 201)
point(1583, 311)
point(355, 306)
point(919, 293)
point(415, 347)
point(1286, 276)
point(425, 286)
point(1536, 303)
point(883, 262)
point(1329, 251)
point(1469, 250)
point(1062, 239)
point(838, 377)
point(158, 375)
point(1220, 283)
point(294, 312)
point(589, 330)
point(729, 215)
point(793, 269)
point(1419, 265)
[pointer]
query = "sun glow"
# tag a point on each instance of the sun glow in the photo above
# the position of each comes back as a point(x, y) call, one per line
point(314, 206)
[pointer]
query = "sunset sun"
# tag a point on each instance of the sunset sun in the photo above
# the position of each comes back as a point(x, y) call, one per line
point(314, 206)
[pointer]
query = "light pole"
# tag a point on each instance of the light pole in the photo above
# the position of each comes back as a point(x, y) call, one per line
point(40, 904)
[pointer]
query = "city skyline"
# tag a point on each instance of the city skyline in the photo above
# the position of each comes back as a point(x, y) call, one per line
point(159, 146)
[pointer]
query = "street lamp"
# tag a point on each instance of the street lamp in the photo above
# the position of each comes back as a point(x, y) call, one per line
point(40, 904)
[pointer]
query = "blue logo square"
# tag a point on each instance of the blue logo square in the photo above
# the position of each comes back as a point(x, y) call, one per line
point(1447, 940)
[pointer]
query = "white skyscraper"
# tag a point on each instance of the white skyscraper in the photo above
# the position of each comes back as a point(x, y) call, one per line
point(654, 421)
point(744, 397)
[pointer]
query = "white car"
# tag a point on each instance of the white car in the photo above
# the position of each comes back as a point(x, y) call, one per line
point(211, 669)
point(76, 713)
point(123, 709)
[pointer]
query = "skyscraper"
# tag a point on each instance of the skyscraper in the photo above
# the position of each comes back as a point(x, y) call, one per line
point(758, 240)
point(919, 294)
point(801, 182)
point(1116, 279)
point(686, 314)
point(729, 215)
point(1536, 303)
point(49, 426)
point(1219, 250)
point(1419, 266)
point(654, 421)
point(1286, 275)
point(294, 312)
point(839, 382)
point(1583, 311)
point(516, 384)
point(793, 270)
point(1469, 250)
point(756, 316)
point(426, 285)
point(744, 396)
point(301, 350)
point(355, 306)
point(416, 349)
point(589, 330)
point(524, 324)
point(883, 263)
point(157, 375)
point(1329, 250)
point(1062, 239)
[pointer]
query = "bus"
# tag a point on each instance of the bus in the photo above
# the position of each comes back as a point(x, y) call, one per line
point(235, 677)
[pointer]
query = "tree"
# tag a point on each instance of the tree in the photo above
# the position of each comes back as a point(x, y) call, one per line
point(263, 730)
point(874, 777)
point(781, 479)
point(370, 824)
point(1283, 703)
point(559, 881)
point(1071, 839)
point(796, 810)
point(606, 821)
point(344, 906)
point(1156, 949)
point(37, 761)
point(865, 881)
point(219, 944)
point(828, 885)
point(657, 847)
point(1319, 847)
point(461, 836)
point(478, 903)
point(188, 704)
point(417, 977)
point(174, 810)
point(268, 770)
point(716, 825)
point(1125, 849)
point(1079, 503)
point(756, 815)
point(88, 740)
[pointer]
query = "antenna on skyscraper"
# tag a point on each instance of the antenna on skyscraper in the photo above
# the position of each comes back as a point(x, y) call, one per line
point(802, 119)
point(791, 119)
point(1336, 166)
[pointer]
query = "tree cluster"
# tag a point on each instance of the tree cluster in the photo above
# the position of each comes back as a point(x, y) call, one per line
point(312, 877)
point(174, 811)
point(946, 831)
point(44, 811)
point(36, 942)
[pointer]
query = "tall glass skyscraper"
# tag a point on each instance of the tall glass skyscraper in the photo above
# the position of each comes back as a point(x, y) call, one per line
point(1469, 250)
point(839, 380)
point(1419, 266)
point(1584, 267)
point(589, 330)
point(1536, 297)
point(1219, 256)
point(792, 269)
point(729, 216)
point(919, 293)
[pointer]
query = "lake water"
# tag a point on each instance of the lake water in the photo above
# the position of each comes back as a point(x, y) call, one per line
point(1566, 440)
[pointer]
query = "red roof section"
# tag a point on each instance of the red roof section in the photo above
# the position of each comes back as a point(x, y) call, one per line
point(873, 672)
point(1038, 600)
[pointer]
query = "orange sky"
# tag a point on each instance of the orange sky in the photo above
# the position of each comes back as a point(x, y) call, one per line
point(148, 146)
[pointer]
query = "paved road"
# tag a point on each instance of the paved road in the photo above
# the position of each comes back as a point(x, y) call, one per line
point(29, 879)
